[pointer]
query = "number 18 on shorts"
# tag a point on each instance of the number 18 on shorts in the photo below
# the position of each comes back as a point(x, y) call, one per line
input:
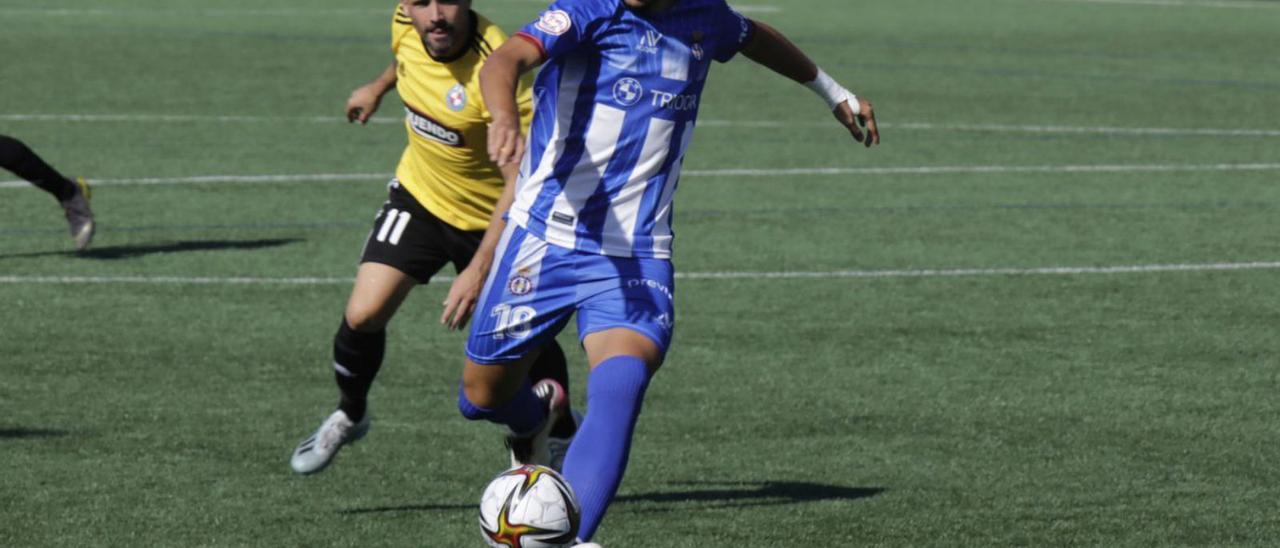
point(536, 287)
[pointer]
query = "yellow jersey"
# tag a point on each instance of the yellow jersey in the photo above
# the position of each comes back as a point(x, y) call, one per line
point(446, 165)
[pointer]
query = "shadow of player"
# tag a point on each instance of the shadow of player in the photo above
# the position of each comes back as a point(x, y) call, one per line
point(738, 494)
point(30, 433)
point(111, 253)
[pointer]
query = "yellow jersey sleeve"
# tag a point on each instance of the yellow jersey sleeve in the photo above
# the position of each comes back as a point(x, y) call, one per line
point(400, 24)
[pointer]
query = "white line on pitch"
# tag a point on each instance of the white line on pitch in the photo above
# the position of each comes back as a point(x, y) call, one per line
point(240, 179)
point(816, 171)
point(62, 11)
point(963, 272)
point(180, 118)
point(830, 275)
point(913, 126)
point(1240, 4)
point(1100, 130)
point(951, 170)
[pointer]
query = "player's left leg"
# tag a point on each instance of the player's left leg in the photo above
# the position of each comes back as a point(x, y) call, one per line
point(627, 329)
point(73, 196)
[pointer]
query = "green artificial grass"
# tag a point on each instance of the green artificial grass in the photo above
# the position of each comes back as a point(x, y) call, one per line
point(893, 390)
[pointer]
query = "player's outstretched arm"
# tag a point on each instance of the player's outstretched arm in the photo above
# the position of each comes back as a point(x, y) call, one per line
point(365, 99)
point(498, 79)
point(771, 49)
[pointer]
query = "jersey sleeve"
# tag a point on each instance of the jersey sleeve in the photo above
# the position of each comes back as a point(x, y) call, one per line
point(400, 23)
point(735, 31)
point(564, 26)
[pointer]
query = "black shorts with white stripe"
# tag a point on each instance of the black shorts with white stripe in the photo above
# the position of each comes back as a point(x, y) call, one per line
point(409, 238)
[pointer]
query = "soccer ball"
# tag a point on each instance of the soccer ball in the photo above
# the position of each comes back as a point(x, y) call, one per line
point(529, 506)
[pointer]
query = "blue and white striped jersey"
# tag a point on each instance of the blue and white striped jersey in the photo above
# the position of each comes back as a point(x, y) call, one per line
point(615, 108)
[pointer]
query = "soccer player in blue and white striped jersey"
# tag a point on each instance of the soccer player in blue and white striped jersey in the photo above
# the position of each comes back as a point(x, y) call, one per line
point(589, 225)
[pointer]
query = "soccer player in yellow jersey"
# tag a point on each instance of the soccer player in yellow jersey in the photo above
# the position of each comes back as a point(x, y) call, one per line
point(441, 201)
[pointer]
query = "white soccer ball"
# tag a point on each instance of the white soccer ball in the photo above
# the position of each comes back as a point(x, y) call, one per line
point(529, 507)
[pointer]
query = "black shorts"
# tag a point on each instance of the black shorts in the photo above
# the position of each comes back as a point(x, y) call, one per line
point(409, 238)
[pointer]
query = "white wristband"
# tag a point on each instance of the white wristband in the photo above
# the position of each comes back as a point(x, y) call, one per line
point(833, 93)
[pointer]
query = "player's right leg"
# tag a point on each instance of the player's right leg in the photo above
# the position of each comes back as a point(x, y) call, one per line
point(73, 196)
point(526, 301)
point(404, 250)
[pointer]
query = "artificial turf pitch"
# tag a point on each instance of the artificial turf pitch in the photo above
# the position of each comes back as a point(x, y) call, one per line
point(938, 342)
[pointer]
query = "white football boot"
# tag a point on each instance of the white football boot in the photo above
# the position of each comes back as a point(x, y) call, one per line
point(533, 448)
point(318, 450)
point(558, 448)
point(79, 216)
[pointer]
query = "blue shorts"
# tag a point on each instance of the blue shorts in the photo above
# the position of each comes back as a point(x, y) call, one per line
point(535, 287)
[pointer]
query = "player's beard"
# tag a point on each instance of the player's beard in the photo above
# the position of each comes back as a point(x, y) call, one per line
point(440, 45)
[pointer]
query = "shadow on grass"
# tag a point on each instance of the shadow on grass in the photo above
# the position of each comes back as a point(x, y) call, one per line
point(130, 251)
point(708, 493)
point(741, 494)
point(30, 433)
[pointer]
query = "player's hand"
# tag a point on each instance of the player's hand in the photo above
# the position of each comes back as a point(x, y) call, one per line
point(506, 145)
point(461, 301)
point(363, 103)
point(855, 122)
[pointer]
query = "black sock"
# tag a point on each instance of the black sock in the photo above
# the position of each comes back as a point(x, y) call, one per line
point(357, 357)
point(18, 158)
point(551, 364)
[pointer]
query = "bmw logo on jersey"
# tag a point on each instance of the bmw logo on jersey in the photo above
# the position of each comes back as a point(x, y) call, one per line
point(628, 91)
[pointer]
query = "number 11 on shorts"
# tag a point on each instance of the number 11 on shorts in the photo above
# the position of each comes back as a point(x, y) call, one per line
point(393, 226)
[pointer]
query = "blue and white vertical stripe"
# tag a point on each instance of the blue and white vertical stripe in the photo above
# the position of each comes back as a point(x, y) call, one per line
point(615, 112)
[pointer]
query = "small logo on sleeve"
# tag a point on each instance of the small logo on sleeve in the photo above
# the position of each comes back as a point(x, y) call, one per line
point(554, 22)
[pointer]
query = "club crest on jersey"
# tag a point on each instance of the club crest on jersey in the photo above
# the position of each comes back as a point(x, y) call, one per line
point(628, 91)
point(698, 53)
point(456, 98)
point(520, 284)
point(428, 128)
point(554, 22)
point(650, 42)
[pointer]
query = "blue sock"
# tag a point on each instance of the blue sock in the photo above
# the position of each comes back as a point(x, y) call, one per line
point(522, 414)
point(598, 456)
